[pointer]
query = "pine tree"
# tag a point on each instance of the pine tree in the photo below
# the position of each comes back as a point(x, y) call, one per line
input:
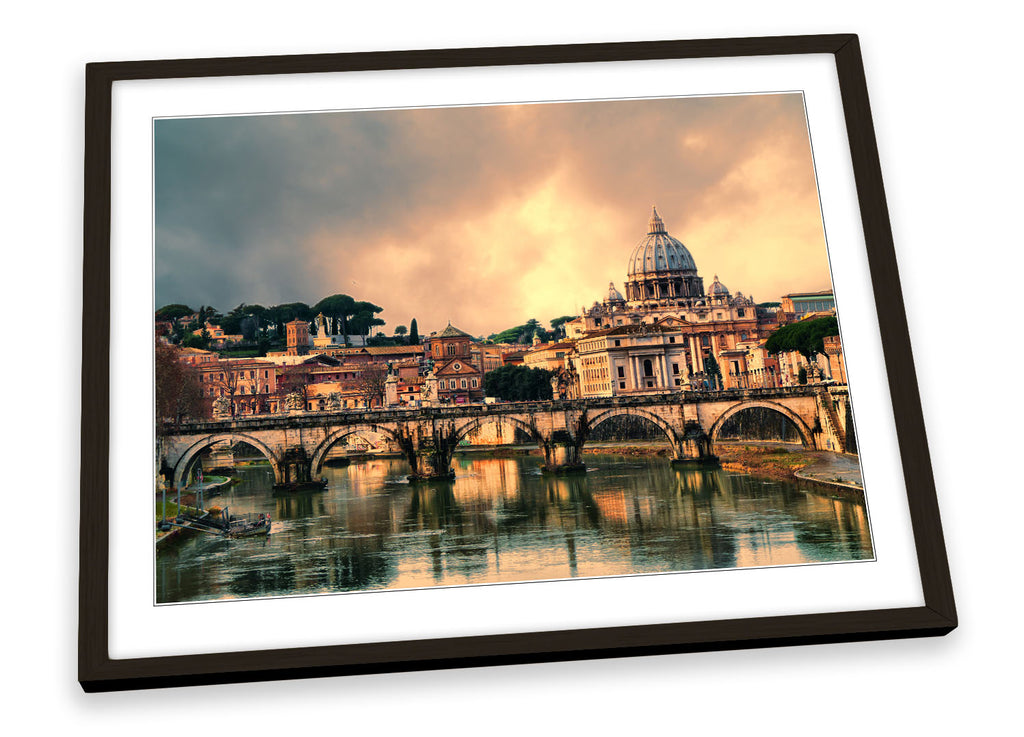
point(414, 333)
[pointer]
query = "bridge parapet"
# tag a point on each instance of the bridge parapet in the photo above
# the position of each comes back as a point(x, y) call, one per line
point(417, 414)
point(429, 436)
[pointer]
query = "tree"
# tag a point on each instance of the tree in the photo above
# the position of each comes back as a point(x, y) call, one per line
point(371, 383)
point(414, 333)
point(712, 367)
point(517, 383)
point(173, 312)
point(802, 375)
point(338, 308)
point(227, 382)
point(401, 330)
point(284, 313)
point(201, 341)
point(806, 336)
point(558, 324)
point(178, 391)
point(364, 317)
point(521, 333)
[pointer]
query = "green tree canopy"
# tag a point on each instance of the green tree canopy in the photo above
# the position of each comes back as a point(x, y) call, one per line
point(558, 324)
point(414, 333)
point(806, 336)
point(518, 383)
point(246, 320)
point(197, 341)
point(521, 333)
point(364, 317)
point(173, 312)
point(711, 367)
point(338, 308)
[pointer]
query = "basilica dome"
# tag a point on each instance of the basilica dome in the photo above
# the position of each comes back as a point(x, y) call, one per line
point(661, 271)
point(659, 252)
point(717, 289)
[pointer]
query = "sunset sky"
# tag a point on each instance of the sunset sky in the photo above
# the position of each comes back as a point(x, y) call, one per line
point(485, 216)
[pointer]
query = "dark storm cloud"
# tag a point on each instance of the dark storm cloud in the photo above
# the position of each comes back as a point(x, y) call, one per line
point(486, 215)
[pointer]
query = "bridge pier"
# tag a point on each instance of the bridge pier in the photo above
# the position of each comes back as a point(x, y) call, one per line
point(693, 446)
point(295, 467)
point(563, 454)
point(430, 456)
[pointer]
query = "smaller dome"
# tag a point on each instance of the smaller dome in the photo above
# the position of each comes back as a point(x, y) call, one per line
point(613, 294)
point(717, 289)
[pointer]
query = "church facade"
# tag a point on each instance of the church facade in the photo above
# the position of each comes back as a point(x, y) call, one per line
point(669, 331)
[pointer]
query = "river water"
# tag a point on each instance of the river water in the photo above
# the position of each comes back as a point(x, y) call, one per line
point(502, 520)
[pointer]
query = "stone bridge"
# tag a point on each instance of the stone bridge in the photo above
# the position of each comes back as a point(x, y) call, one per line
point(297, 443)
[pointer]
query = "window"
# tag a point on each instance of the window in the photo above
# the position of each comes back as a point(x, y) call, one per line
point(451, 349)
point(618, 343)
point(672, 339)
point(742, 313)
point(622, 372)
point(622, 385)
point(475, 384)
point(675, 369)
point(462, 383)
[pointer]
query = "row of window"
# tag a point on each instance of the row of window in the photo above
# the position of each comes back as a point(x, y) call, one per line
point(458, 383)
point(234, 375)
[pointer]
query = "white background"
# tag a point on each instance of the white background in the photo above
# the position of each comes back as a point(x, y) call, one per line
point(942, 88)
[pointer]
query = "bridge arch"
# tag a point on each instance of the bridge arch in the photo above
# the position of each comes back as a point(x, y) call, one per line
point(188, 458)
point(461, 431)
point(653, 418)
point(317, 462)
point(805, 432)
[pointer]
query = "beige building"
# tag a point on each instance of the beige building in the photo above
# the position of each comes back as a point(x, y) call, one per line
point(663, 287)
point(631, 359)
point(689, 329)
point(549, 356)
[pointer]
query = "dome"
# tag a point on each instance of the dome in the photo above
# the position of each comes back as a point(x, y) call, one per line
point(659, 252)
point(613, 294)
point(717, 289)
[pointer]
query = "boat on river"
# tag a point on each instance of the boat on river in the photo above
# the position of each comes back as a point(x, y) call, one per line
point(223, 524)
point(247, 526)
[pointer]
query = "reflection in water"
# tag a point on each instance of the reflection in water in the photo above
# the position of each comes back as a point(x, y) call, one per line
point(502, 520)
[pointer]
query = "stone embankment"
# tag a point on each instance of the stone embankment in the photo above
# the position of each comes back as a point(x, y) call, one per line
point(840, 472)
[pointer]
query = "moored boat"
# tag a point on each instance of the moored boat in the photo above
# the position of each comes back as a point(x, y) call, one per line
point(248, 527)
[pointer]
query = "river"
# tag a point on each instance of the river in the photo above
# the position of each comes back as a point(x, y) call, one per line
point(503, 520)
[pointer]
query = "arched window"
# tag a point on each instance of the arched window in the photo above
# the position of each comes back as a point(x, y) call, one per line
point(648, 367)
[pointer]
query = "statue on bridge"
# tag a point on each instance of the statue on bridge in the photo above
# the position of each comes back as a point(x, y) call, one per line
point(294, 402)
point(222, 408)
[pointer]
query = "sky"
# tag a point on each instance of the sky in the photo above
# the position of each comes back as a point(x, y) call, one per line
point(483, 216)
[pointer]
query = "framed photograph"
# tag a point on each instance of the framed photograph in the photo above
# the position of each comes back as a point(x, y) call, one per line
point(429, 359)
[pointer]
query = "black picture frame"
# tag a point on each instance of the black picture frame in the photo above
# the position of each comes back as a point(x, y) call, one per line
point(97, 671)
